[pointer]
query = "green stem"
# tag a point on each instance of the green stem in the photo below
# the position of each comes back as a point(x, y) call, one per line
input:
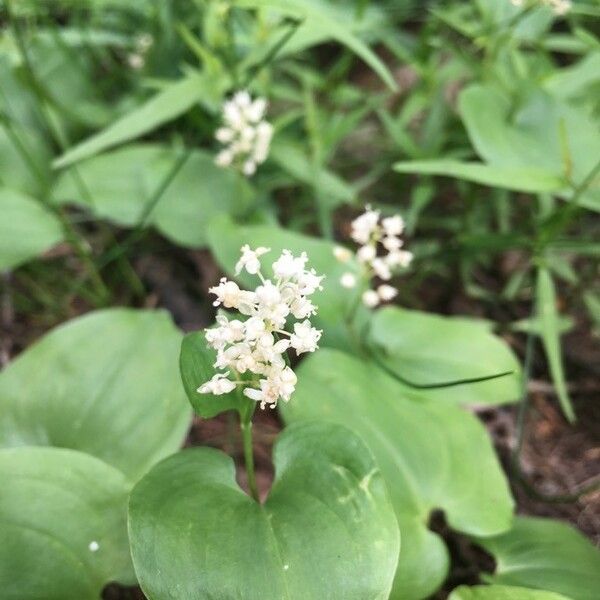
point(246, 427)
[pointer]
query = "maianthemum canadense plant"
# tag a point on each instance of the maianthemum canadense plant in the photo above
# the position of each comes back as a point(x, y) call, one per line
point(150, 131)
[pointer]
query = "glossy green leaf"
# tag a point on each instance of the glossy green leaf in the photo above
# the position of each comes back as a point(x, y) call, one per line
point(196, 366)
point(547, 555)
point(540, 132)
point(172, 101)
point(26, 229)
point(323, 21)
point(429, 349)
point(522, 178)
point(106, 384)
point(225, 239)
point(432, 454)
point(62, 524)
point(501, 592)
point(327, 529)
point(121, 184)
point(550, 326)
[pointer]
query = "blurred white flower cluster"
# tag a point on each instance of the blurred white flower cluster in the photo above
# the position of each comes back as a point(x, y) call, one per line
point(376, 234)
point(559, 7)
point(252, 351)
point(245, 133)
point(137, 59)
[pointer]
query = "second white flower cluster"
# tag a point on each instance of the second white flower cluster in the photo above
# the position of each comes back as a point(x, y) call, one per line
point(246, 134)
point(374, 233)
point(252, 351)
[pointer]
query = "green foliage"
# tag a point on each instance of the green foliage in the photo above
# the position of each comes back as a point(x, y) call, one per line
point(501, 592)
point(427, 349)
point(432, 456)
point(168, 104)
point(63, 525)
point(106, 384)
point(175, 190)
point(26, 229)
point(547, 555)
point(196, 366)
point(307, 540)
point(550, 332)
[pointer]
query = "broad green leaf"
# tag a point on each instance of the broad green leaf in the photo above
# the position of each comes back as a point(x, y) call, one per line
point(432, 454)
point(292, 159)
point(63, 525)
point(172, 101)
point(29, 175)
point(522, 178)
point(120, 185)
point(325, 22)
point(26, 229)
point(196, 366)
point(501, 592)
point(547, 555)
point(327, 529)
point(540, 132)
point(225, 239)
point(428, 349)
point(106, 384)
point(550, 325)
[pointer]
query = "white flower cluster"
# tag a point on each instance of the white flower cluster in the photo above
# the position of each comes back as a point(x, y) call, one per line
point(137, 59)
point(246, 134)
point(372, 233)
point(253, 350)
point(559, 7)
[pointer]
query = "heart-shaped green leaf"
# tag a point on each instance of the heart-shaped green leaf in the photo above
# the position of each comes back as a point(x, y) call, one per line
point(547, 555)
point(428, 349)
point(432, 455)
point(327, 529)
point(26, 229)
point(225, 239)
point(501, 592)
point(196, 366)
point(120, 185)
point(62, 524)
point(107, 384)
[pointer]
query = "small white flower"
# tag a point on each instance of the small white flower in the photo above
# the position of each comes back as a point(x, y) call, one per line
point(370, 298)
point(268, 394)
point(393, 226)
point(348, 280)
point(386, 292)
point(366, 253)
point(219, 384)
point(250, 259)
point(309, 282)
point(364, 226)
point(342, 254)
point(399, 258)
point(94, 546)
point(224, 158)
point(302, 308)
point(391, 243)
point(381, 268)
point(224, 135)
point(305, 337)
point(288, 266)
